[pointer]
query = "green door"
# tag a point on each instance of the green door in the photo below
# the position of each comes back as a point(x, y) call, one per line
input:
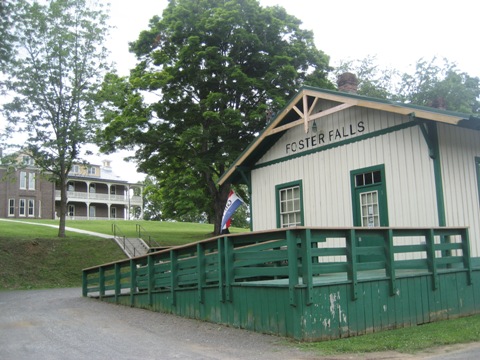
point(369, 197)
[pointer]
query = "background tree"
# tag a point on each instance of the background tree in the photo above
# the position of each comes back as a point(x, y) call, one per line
point(217, 67)
point(441, 85)
point(434, 83)
point(53, 77)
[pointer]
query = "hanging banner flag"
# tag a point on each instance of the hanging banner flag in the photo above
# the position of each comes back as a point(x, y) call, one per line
point(233, 202)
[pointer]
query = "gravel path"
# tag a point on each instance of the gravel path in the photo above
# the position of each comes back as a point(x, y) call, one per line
point(60, 324)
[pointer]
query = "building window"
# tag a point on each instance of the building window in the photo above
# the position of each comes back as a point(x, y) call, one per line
point(113, 212)
point(31, 207)
point(92, 188)
point(92, 170)
point(23, 180)
point(71, 210)
point(21, 207)
point(369, 197)
point(11, 207)
point(75, 169)
point(31, 181)
point(289, 204)
point(113, 190)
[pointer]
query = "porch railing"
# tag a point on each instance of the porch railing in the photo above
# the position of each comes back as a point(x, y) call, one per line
point(294, 258)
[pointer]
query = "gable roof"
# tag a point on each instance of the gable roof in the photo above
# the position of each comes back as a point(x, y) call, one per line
point(299, 112)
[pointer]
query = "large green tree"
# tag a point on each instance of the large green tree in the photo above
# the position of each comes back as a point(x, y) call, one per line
point(216, 68)
point(52, 79)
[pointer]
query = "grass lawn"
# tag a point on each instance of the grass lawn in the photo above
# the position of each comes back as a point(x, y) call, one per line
point(165, 233)
point(33, 257)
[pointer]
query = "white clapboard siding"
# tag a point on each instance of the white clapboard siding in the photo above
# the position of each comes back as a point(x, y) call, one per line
point(325, 174)
point(458, 150)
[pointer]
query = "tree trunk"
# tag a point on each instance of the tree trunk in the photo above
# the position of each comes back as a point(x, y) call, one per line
point(63, 205)
point(220, 200)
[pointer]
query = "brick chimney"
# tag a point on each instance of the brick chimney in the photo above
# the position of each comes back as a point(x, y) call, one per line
point(347, 82)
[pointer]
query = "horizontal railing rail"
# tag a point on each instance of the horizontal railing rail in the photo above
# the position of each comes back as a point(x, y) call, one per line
point(294, 257)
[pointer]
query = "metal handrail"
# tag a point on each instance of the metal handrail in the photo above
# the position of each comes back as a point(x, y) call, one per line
point(139, 229)
point(116, 229)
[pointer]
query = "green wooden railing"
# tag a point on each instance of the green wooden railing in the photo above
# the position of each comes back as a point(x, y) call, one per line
point(296, 257)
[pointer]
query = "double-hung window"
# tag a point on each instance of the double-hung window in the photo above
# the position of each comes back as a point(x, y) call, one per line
point(21, 207)
point(31, 181)
point(23, 180)
point(289, 199)
point(11, 207)
point(31, 207)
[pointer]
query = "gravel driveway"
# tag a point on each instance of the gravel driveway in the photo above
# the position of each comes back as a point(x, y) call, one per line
point(60, 324)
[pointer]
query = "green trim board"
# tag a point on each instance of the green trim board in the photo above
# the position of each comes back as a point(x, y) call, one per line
point(437, 168)
point(284, 186)
point(477, 171)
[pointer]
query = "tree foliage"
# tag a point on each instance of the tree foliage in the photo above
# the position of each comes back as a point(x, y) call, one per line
point(216, 68)
point(7, 19)
point(52, 79)
point(433, 83)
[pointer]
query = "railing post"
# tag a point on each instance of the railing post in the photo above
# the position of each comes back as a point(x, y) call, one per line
point(431, 258)
point(173, 275)
point(229, 270)
point(390, 261)
point(352, 261)
point(101, 282)
point(117, 282)
point(292, 266)
point(221, 269)
point(307, 277)
point(133, 281)
point(151, 279)
point(467, 261)
point(200, 271)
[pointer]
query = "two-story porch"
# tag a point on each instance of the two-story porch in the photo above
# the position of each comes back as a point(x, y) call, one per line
point(90, 199)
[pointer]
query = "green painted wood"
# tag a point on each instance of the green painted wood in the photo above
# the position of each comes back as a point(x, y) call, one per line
point(292, 268)
point(221, 268)
point(173, 277)
point(301, 297)
point(200, 272)
point(101, 281)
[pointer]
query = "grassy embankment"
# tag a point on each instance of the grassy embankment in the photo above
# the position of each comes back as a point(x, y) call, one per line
point(33, 257)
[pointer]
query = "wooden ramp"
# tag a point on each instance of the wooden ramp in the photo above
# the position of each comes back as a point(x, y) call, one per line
point(305, 283)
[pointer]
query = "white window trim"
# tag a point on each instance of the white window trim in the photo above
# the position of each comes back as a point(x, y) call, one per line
point(22, 209)
point(23, 180)
point(31, 206)
point(31, 181)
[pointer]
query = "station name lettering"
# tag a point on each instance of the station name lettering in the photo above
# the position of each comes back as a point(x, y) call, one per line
point(331, 136)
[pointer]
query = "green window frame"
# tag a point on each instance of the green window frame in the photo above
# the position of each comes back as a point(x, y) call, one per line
point(289, 203)
point(369, 196)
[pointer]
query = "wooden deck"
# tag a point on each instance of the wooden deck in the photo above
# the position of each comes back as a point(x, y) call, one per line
point(305, 283)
